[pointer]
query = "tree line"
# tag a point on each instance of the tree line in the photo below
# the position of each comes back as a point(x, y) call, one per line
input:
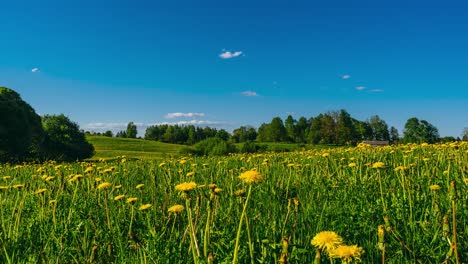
point(330, 128)
point(24, 135)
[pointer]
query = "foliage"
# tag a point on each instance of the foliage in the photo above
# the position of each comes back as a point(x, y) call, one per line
point(418, 131)
point(21, 133)
point(175, 134)
point(214, 146)
point(64, 140)
point(119, 211)
point(131, 131)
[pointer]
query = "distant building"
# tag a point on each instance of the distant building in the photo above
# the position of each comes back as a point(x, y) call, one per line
point(376, 143)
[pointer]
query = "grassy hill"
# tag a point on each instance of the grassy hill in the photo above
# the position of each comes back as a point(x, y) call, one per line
point(111, 147)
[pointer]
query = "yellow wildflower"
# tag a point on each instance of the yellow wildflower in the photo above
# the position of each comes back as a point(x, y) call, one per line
point(182, 162)
point(218, 190)
point(119, 197)
point(139, 186)
point(3, 187)
point(326, 240)
point(251, 176)
point(352, 165)
point(6, 177)
point(240, 193)
point(378, 165)
point(104, 185)
point(17, 186)
point(162, 164)
point(186, 186)
point(434, 187)
point(144, 207)
point(212, 186)
point(131, 200)
point(190, 173)
point(89, 169)
point(52, 201)
point(40, 191)
point(347, 253)
point(176, 208)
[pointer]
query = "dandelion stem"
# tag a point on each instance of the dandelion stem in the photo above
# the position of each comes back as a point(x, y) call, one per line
point(239, 229)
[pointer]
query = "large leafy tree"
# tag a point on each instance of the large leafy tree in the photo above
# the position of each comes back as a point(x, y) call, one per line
point(21, 133)
point(64, 140)
point(379, 128)
point(131, 131)
point(418, 131)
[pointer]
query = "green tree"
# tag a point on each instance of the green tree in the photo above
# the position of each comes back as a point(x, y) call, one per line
point(64, 140)
point(290, 125)
point(379, 128)
point(21, 133)
point(108, 133)
point(277, 131)
point(465, 134)
point(131, 131)
point(417, 131)
point(223, 134)
point(301, 130)
point(345, 131)
point(394, 135)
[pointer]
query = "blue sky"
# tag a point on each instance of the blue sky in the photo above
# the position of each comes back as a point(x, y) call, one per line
point(233, 63)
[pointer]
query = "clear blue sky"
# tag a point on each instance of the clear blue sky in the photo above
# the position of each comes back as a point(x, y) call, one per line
point(233, 63)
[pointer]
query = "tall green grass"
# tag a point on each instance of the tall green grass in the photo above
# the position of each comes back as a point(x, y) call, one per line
point(76, 219)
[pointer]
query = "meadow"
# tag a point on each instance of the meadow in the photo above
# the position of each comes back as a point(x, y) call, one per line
point(394, 204)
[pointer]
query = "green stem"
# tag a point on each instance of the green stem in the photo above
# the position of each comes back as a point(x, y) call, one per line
point(251, 248)
point(239, 229)
point(192, 232)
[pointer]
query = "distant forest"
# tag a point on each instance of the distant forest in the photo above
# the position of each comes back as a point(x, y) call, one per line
point(331, 128)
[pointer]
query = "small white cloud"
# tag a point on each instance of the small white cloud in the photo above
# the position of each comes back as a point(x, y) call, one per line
point(230, 55)
point(249, 93)
point(195, 123)
point(346, 76)
point(360, 88)
point(177, 115)
point(376, 91)
point(35, 70)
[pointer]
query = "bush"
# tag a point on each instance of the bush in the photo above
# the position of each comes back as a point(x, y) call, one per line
point(64, 140)
point(213, 147)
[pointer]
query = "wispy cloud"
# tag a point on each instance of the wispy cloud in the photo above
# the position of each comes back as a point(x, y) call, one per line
point(34, 70)
point(102, 126)
point(345, 76)
point(360, 88)
point(195, 123)
point(249, 93)
point(177, 115)
point(376, 91)
point(230, 55)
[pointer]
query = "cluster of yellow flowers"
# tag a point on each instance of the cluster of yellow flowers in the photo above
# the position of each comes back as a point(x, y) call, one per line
point(332, 244)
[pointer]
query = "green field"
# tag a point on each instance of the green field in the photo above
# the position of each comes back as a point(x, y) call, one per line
point(403, 204)
point(111, 147)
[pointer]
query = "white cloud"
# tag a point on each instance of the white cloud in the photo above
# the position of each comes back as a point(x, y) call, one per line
point(376, 90)
point(230, 55)
point(100, 126)
point(360, 88)
point(195, 123)
point(35, 70)
point(346, 76)
point(177, 115)
point(249, 93)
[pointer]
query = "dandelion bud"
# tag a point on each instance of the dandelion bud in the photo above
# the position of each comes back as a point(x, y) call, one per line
point(446, 226)
point(381, 235)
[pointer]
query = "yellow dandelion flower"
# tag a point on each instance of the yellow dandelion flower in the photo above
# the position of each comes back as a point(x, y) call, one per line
point(117, 186)
point(182, 162)
point(240, 193)
point(176, 208)
point(194, 165)
point(186, 186)
point(104, 185)
point(212, 186)
point(326, 154)
point(52, 201)
point(190, 173)
point(139, 186)
point(40, 191)
point(89, 169)
point(251, 176)
point(17, 186)
point(162, 164)
point(3, 187)
point(49, 178)
point(218, 190)
point(6, 177)
point(378, 165)
point(347, 253)
point(132, 199)
point(434, 187)
point(98, 179)
point(119, 197)
point(144, 207)
point(352, 165)
point(326, 240)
